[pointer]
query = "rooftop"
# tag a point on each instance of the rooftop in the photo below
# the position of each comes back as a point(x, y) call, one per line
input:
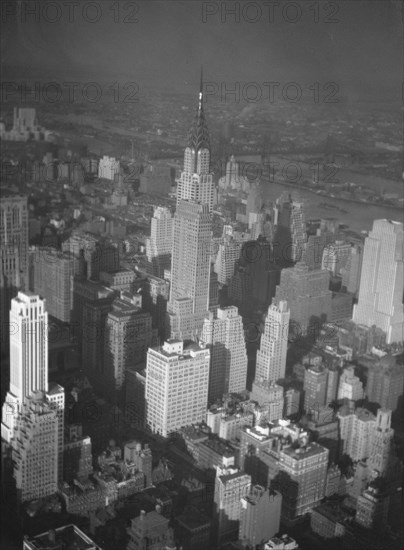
point(68, 537)
point(304, 452)
point(192, 518)
point(219, 446)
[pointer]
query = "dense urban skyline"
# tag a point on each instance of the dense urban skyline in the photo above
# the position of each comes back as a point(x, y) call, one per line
point(202, 314)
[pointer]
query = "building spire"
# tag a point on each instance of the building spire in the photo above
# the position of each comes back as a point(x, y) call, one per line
point(198, 136)
point(200, 107)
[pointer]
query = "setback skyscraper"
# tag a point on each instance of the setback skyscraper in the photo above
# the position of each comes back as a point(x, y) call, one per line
point(271, 357)
point(196, 183)
point(190, 272)
point(380, 300)
point(33, 413)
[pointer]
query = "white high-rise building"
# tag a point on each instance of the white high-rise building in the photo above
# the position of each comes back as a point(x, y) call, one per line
point(28, 356)
point(159, 245)
point(271, 357)
point(356, 428)
point(177, 380)
point(380, 299)
point(33, 411)
point(196, 181)
point(190, 270)
point(336, 256)
point(227, 256)
point(108, 168)
point(350, 387)
point(225, 338)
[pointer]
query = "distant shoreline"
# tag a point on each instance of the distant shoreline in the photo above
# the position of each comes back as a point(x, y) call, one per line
point(326, 196)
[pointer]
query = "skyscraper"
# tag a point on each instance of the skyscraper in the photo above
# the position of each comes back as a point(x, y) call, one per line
point(13, 255)
point(159, 245)
point(53, 271)
point(260, 515)
point(307, 294)
point(33, 412)
point(231, 485)
point(350, 387)
point(381, 451)
point(315, 388)
point(190, 272)
point(228, 361)
point(380, 299)
point(177, 379)
point(128, 336)
point(290, 234)
point(271, 357)
point(195, 182)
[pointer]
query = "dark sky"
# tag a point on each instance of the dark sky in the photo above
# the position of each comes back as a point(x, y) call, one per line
point(362, 51)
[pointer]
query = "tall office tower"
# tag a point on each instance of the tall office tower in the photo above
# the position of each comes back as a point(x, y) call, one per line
point(34, 449)
point(224, 337)
point(160, 244)
point(177, 380)
point(93, 356)
point(33, 409)
point(128, 336)
point(190, 271)
point(307, 294)
point(292, 402)
point(290, 230)
point(13, 256)
point(258, 272)
point(28, 353)
point(232, 178)
point(351, 274)
point(381, 451)
point(231, 485)
point(53, 272)
point(315, 388)
point(335, 257)
point(86, 293)
point(350, 387)
point(271, 357)
point(313, 252)
point(99, 254)
point(10, 283)
point(108, 168)
point(141, 456)
point(385, 381)
point(255, 201)
point(332, 383)
point(196, 181)
point(154, 298)
point(356, 432)
point(302, 478)
point(380, 299)
point(227, 256)
point(260, 515)
point(270, 397)
point(78, 458)
point(372, 508)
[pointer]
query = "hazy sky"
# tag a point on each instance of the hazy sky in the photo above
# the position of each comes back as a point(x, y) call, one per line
point(362, 51)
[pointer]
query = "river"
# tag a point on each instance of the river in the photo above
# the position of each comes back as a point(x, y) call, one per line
point(359, 216)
